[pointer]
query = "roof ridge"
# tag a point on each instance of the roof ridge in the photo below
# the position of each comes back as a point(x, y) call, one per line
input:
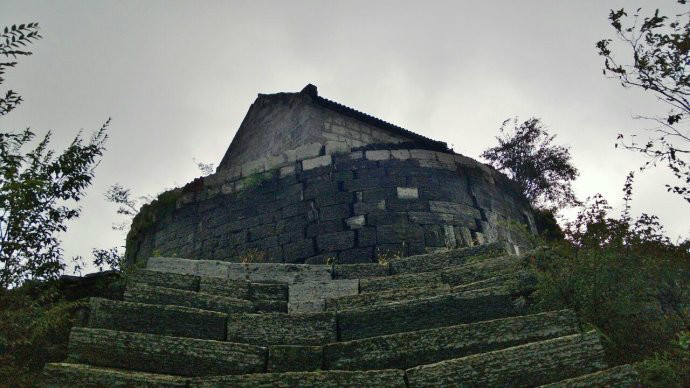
point(312, 91)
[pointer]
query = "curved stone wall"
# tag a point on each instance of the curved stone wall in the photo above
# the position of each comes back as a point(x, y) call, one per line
point(346, 208)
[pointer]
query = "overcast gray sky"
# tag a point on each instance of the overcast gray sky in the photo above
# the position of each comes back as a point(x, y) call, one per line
point(177, 78)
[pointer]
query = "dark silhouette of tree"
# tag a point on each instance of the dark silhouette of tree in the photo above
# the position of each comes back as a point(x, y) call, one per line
point(659, 48)
point(39, 188)
point(543, 171)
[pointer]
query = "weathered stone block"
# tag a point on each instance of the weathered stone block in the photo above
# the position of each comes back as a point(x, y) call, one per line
point(297, 251)
point(199, 300)
point(286, 273)
point(314, 290)
point(294, 358)
point(623, 376)
point(411, 349)
point(378, 155)
point(262, 232)
point(320, 161)
point(400, 154)
point(325, 227)
point(366, 237)
point(216, 269)
point(270, 306)
point(422, 155)
point(454, 208)
point(154, 319)
point(323, 379)
point(163, 354)
point(408, 193)
point(335, 241)
point(444, 260)
point(355, 222)
point(333, 198)
point(334, 212)
point(268, 291)
point(426, 218)
point(362, 208)
point(337, 147)
point(165, 279)
point(173, 265)
point(383, 297)
point(358, 271)
point(287, 171)
point(525, 366)
point(282, 329)
point(306, 306)
point(356, 255)
point(307, 151)
point(421, 314)
point(238, 289)
point(399, 233)
point(62, 375)
point(405, 205)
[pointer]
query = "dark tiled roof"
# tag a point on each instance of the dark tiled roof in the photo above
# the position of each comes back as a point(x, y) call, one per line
point(361, 116)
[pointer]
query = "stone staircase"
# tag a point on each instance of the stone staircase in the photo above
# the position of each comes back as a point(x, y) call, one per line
point(450, 319)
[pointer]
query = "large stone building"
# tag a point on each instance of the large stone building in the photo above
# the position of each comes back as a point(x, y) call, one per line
point(308, 180)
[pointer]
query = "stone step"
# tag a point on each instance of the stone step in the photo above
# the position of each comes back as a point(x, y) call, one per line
point(442, 260)
point(163, 354)
point(321, 379)
point(518, 282)
point(282, 329)
point(454, 276)
point(305, 297)
point(266, 297)
point(156, 319)
point(521, 366)
point(410, 349)
point(428, 313)
point(164, 279)
point(65, 375)
point(253, 272)
point(141, 293)
point(360, 271)
point(383, 297)
point(623, 376)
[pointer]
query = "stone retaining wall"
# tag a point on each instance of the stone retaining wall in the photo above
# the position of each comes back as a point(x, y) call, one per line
point(321, 204)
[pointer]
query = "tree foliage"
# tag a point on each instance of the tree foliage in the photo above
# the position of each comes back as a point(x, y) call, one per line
point(543, 170)
point(39, 188)
point(628, 279)
point(659, 48)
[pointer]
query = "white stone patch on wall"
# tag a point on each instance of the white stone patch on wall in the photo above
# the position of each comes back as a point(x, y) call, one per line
point(287, 170)
point(408, 193)
point(308, 151)
point(356, 222)
point(400, 154)
point(378, 155)
point(320, 161)
point(337, 147)
point(422, 155)
point(429, 163)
